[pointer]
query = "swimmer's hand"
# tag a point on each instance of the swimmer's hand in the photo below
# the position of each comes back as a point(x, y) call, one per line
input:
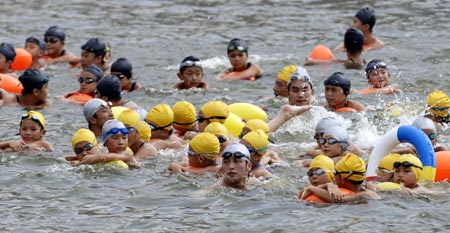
point(17, 145)
point(335, 194)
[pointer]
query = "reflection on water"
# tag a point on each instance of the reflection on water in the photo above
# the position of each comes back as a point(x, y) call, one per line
point(43, 193)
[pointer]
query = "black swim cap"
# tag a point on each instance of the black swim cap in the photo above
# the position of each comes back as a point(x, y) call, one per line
point(123, 66)
point(373, 65)
point(93, 69)
point(353, 40)
point(7, 50)
point(96, 46)
point(110, 87)
point(237, 44)
point(190, 61)
point(31, 79)
point(36, 40)
point(339, 79)
point(367, 16)
point(55, 31)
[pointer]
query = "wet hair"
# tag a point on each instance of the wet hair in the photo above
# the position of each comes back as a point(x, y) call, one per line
point(110, 87)
point(123, 66)
point(353, 41)
point(32, 79)
point(339, 79)
point(367, 16)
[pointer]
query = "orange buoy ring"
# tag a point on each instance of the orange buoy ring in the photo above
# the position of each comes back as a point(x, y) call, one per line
point(22, 61)
point(442, 166)
point(314, 198)
point(10, 84)
point(236, 73)
point(78, 97)
point(345, 109)
point(321, 52)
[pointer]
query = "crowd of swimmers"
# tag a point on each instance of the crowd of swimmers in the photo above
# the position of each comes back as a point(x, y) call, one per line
point(122, 134)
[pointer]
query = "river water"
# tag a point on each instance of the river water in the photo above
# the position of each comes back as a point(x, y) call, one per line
point(43, 194)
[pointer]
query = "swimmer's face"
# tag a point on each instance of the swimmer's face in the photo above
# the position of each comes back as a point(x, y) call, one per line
point(117, 143)
point(53, 49)
point(34, 50)
point(405, 176)
point(335, 96)
point(88, 58)
point(86, 88)
point(82, 145)
point(235, 171)
point(202, 125)
point(102, 115)
point(4, 65)
point(191, 76)
point(238, 60)
point(124, 81)
point(280, 88)
point(318, 179)
point(379, 78)
point(31, 131)
point(300, 93)
point(331, 150)
point(255, 157)
point(356, 23)
point(43, 92)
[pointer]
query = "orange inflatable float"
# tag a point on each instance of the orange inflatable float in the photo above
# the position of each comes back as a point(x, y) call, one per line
point(79, 97)
point(10, 84)
point(22, 61)
point(442, 166)
point(345, 109)
point(367, 91)
point(314, 198)
point(321, 52)
point(236, 73)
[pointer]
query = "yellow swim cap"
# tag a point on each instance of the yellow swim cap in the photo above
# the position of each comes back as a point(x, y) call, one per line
point(206, 144)
point(439, 103)
point(387, 162)
point(255, 124)
point(324, 162)
point(184, 113)
point(117, 110)
point(286, 73)
point(131, 118)
point(217, 109)
point(258, 139)
point(217, 129)
point(351, 167)
point(412, 159)
point(161, 115)
point(84, 135)
point(144, 131)
point(36, 116)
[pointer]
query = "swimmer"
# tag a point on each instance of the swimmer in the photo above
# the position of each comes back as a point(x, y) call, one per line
point(384, 171)
point(407, 171)
point(97, 112)
point(88, 80)
point(123, 69)
point(202, 154)
point(160, 119)
point(191, 74)
point(257, 144)
point(337, 88)
point(54, 39)
point(34, 93)
point(7, 55)
point(365, 20)
point(379, 78)
point(185, 119)
point(94, 51)
point(237, 51)
point(236, 166)
point(438, 107)
point(213, 111)
point(321, 171)
point(36, 47)
point(221, 133)
point(32, 130)
point(281, 81)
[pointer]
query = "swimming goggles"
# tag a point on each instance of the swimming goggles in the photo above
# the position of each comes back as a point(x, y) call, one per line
point(115, 131)
point(131, 129)
point(432, 136)
point(318, 172)
point(350, 173)
point(33, 118)
point(85, 80)
point(121, 76)
point(383, 171)
point(441, 109)
point(190, 123)
point(375, 66)
point(295, 77)
point(200, 119)
point(239, 48)
point(236, 155)
point(330, 141)
point(87, 147)
point(222, 138)
point(154, 127)
point(256, 150)
point(189, 63)
point(52, 40)
point(405, 164)
point(193, 153)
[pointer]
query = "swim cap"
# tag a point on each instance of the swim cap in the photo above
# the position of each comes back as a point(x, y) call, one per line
point(31, 79)
point(286, 73)
point(373, 65)
point(93, 69)
point(353, 40)
point(300, 74)
point(190, 61)
point(237, 147)
point(144, 131)
point(367, 16)
point(339, 79)
point(37, 41)
point(161, 116)
point(387, 162)
point(92, 106)
point(237, 44)
point(351, 167)
point(184, 113)
point(110, 87)
point(34, 115)
point(324, 162)
point(414, 160)
point(327, 122)
point(339, 133)
point(215, 109)
point(84, 135)
point(7, 50)
point(206, 144)
point(425, 123)
point(217, 129)
point(123, 66)
point(258, 139)
point(255, 124)
point(132, 118)
point(96, 46)
point(439, 103)
point(55, 31)
point(111, 124)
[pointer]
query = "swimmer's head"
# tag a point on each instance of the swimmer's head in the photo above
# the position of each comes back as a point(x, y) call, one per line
point(353, 41)
point(217, 129)
point(160, 116)
point(190, 61)
point(83, 135)
point(325, 123)
point(32, 79)
point(205, 144)
point(300, 74)
point(286, 73)
point(351, 167)
point(340, 80)
point(339, 133)
point(425, 123)
point(324, 162)
point(93, 69)
point(237, 44)
point(236, 150)
point(258, 140)
point(123, 66)
point(113, 127)
point(217, 111)
point(55, 31)
point(374, 65)
point(37, 41)
point(367, 16)
point(410, 160)
point(184, 114)
point(109, 86)
point(96, 46)
point(438, 103)
point(7, 50)
point(34, 116)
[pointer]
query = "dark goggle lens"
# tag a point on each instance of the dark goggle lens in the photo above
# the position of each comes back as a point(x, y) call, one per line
point(432, 136)
point(222, 139)
point(330, 141)
point(316, 136)
point(87, 147)
point(318, 172)
point(121, 76)
point(86, 80)
point(236, 154)
point(405, 164)
point(51, 40)
point(131, 129)
point(239, 48)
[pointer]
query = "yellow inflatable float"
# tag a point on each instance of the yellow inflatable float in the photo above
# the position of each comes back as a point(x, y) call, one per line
point(247, 111)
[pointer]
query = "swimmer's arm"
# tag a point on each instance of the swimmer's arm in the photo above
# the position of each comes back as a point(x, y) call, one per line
point(48, 146)
point(253, 71)
point(287, 112)
point(201, 170)
point(389, 90)
point(355, 105)
point(8, 98)
point(14, 145)
point(149, 153)
point(320, 193)
point(369, 194)
point(311, 61)
point(224, 73)
point(339, 48)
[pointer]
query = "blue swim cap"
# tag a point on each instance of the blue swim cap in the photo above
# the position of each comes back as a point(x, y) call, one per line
point(367, 16)
point(123, 66)
point(7, 50)
point(55, 31)
point(339, 79)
